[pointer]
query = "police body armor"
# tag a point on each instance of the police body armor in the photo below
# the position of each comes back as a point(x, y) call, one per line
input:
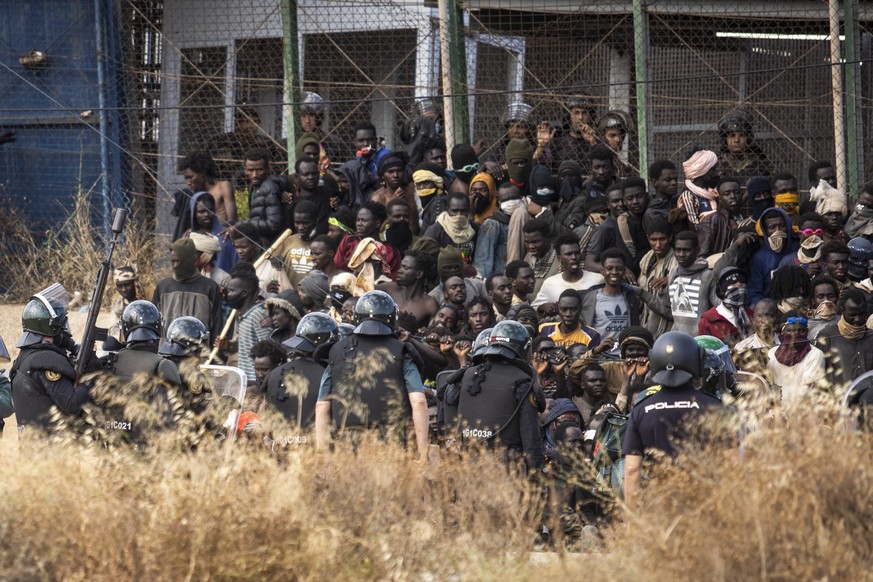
point(368, 385)
point(488, 403)
point(127, 365)
point(293, 389)
point(32, 402)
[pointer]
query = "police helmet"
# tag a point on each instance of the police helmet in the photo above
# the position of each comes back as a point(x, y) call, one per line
point(425, 105)
point(184, 336)
point(313, 330)
point(860, 250)
point(736, 122)
point(312, 103)
point(42, 317)
point(141, 321)
point(614, 120)
point(375, 314)
point(509, 339)
point(675, 359)
point(717, 359)
point(345, 329)
point(581, 101)
point(515, 112)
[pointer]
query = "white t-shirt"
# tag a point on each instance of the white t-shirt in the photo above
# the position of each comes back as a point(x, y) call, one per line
point(796, 381)
point(555, 285)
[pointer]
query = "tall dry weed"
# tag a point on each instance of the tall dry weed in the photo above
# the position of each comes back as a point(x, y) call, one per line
point(69, 251)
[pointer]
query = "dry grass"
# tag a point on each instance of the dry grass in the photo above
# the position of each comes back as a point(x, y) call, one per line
point(796, 506)
point(69, 252)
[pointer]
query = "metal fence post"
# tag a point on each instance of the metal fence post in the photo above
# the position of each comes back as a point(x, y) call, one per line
point(101, 45)
point(641, 46)
point(837, 90)
point(851, 59)
point(458, 54)
point(292, 90)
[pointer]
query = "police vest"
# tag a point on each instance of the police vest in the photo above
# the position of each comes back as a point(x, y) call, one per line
point(368, 385)
point(32, 402)
point(128, 363)
point(488, 401)
point(293, 389)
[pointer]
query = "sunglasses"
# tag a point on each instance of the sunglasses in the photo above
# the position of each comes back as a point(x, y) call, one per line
point(469, 169)
point(811, 231)
point(799, 320)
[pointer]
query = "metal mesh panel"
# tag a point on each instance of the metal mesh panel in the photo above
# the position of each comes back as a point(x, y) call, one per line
point(191, 75)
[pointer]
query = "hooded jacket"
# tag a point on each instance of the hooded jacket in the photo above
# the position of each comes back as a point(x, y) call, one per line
point(265, 209)
point(766, 260)
point(227, 257)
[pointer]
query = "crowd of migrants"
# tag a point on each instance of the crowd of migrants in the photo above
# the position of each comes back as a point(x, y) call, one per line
point(542, 301)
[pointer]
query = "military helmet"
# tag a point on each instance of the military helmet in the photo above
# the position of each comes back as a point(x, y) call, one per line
point(184, 337)
point(375, 314)
point(46, 317)
point(736, 122)
point(41, 317)
point(675, 359)
point(313, 330)
point(581, 100)
point(614, 119)
point(425, 105)
point(860, 249)
point(312, 103)
point(141, 321)
point(509, 335)
point(516, 111)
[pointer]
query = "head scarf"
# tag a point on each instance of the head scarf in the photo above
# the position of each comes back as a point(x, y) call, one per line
point(791, 350)
point(810, 249)
point(457, 227)
point(696, 166)
point(489, 182)
point(346, 282)
point(205, 243)
point(397, 159)
point(754, 187)
point(420, 176)
point(569, 179)
point(519, 149)
point(828, 199)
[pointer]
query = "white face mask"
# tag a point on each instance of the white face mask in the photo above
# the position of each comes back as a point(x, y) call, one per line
point(777, 239)
point(510, 206)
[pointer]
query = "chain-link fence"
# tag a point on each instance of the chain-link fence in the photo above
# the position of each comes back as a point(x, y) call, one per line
point(227, 76)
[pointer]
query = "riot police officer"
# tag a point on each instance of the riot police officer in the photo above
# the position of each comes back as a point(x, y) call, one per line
point(141, 324)
point(497, 404)
point(43, 375)
point(187, 339)
point(373, 380)
point(293, 387)
point(676, 363)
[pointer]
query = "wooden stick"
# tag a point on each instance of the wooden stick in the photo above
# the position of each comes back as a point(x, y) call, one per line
point(260, 261)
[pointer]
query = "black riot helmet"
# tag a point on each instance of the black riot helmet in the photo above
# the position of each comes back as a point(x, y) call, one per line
point(860, 250)
point(313, 330)
point(185, 336)
point(736, 122)
point(375, 314)
point(345, 329)
point(312, 103)
point(141, 321)
point(42, 317)
point(510, 340)
point(675, 359)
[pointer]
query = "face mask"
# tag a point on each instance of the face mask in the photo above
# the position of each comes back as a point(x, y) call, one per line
point(510, 206)
point(399, 235)
point(736, 297)
point(759, 206)
point(792, 304)
point(459, 221)
point(825, 310)
point(425, 192)
point(777, 240)
point(519, 173)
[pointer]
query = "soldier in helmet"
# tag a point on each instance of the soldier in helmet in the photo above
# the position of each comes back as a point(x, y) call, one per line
point(676, 364)
point(43, 375)
point(311, 118)
point(498, 398)
point(293, 387)
point(373, 380)
point(740, 156)
point(612, 130)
